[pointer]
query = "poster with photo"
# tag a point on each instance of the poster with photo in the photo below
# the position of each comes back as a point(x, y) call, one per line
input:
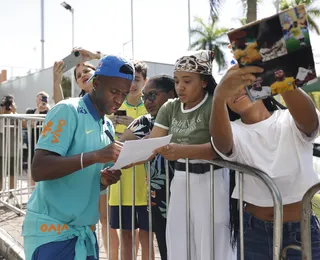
point(279, 44)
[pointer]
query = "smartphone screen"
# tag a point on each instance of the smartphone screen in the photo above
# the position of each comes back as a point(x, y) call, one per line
point(120, 113)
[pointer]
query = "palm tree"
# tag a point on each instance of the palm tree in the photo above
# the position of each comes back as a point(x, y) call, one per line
point(209, 37)
point(251, 8)
point(313, 12)
point(215, 5)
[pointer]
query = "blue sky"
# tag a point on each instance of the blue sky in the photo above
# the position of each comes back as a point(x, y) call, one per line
point(160, 28)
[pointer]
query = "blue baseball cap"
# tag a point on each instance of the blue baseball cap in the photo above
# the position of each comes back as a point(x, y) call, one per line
point(114, 66)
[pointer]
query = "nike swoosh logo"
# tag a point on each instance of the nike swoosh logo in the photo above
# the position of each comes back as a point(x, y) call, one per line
point(88, 132)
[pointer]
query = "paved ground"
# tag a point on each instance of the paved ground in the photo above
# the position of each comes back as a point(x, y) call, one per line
point(12, 224)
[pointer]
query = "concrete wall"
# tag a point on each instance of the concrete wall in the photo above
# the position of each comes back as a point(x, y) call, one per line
point(26, 88)
point(159, 68)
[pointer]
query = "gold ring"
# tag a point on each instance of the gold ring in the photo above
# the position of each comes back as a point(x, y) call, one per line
point(242, 77)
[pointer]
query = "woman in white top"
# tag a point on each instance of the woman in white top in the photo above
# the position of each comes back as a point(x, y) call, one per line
point(187, 119)
point(279, 143)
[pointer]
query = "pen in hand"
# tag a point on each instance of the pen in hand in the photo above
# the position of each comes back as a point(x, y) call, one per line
point(109, 135)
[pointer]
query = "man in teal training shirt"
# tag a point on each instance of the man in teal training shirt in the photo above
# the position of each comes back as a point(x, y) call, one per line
point(69, 167)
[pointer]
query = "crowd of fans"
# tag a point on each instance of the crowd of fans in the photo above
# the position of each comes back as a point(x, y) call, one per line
point(118, 102)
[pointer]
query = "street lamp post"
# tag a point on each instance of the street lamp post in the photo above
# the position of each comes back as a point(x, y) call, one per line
point(72, 14)
point(189, 24)
point(42, 34)
point(132, 41)
point(69, 8)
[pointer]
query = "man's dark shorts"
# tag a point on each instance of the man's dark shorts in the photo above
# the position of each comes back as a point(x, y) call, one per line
point(141, 217)
point(60, 250)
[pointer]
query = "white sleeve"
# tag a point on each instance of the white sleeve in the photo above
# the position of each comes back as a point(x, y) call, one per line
point(233, 157)
point(302, 136)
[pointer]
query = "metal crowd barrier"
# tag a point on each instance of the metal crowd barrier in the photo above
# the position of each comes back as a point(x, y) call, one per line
point(14, 195)
point(240, 169)
point(11, 127)
point(306, 212)
point(276, 196)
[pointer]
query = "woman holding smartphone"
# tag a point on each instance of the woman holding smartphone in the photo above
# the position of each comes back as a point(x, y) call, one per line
point(277, 141)
point(82, 73)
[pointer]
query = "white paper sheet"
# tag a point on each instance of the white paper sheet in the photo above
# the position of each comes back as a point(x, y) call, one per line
point(139, 150)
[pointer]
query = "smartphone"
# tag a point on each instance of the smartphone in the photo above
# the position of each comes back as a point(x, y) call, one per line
point(121, 113)
point(72, 60)
point(44, 99)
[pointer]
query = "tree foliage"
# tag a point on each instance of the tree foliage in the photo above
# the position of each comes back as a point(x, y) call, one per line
point(207, 36)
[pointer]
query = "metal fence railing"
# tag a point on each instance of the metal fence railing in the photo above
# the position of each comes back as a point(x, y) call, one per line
point(19, 133)
point(306, 212)
point(276, 196)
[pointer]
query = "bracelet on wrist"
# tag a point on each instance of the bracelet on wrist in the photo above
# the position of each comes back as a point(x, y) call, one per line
point(81, 160)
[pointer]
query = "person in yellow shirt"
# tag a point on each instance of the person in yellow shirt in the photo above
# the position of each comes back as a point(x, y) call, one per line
point(297, 33)
point(282, 84)
point(252, 54)
point(133, 104)
point(134, 107)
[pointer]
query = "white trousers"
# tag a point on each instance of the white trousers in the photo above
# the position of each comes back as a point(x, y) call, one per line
point(200, 223)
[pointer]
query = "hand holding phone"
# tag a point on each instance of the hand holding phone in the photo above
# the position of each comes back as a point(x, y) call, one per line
point(72, 60)
point(121, 113)
point(58, 68)
point(87, 55)
point(124, 120)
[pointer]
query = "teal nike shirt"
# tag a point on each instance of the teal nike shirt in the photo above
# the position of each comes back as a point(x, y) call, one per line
point(72, 127)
